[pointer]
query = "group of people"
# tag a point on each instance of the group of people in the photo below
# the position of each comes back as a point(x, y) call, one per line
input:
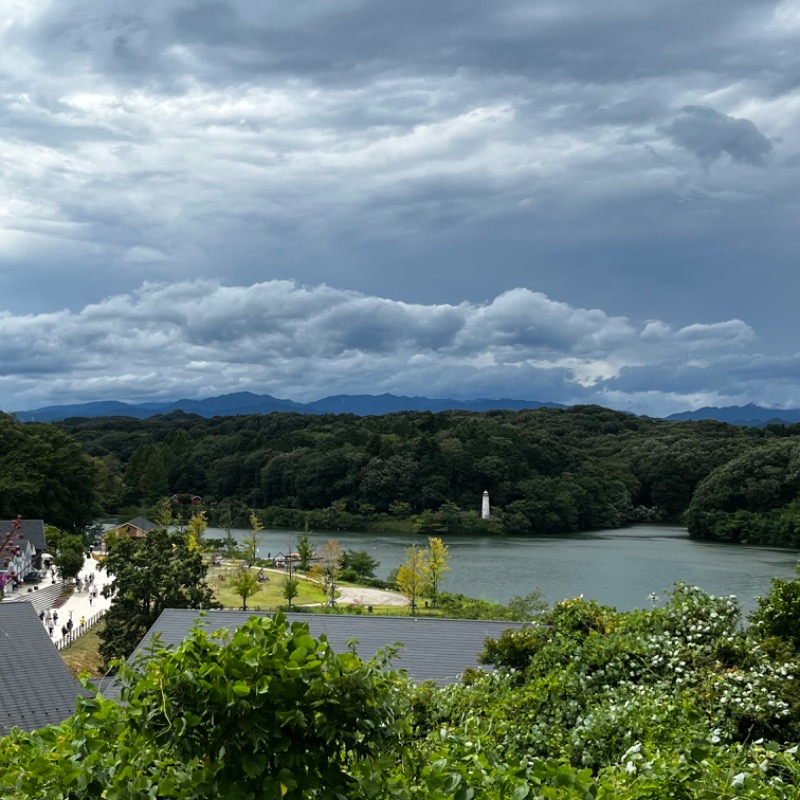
point(50, 620)
point(88, 585)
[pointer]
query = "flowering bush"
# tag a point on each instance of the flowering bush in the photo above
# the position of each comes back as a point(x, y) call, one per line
point(591, 685)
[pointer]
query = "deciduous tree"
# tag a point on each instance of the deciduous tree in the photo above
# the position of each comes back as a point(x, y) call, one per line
point(411, 576)
point(435, 566)
point(45, 475)
point(331, 565)
point(245, 584)
point(195, 530)
point(70, 557)
point(291, 588)
point(250, 541)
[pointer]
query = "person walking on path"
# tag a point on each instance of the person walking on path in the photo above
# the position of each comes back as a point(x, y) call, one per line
point(51, 628)
point(77, 606)
point(82, 623)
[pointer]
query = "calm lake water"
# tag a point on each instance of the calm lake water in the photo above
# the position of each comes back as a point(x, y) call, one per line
point(616, 567)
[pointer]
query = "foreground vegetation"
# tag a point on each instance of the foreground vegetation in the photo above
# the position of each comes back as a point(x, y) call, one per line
point(677, 701)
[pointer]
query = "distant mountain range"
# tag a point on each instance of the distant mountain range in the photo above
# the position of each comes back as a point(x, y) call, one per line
point(249, 403)
point(364, 405)
point(750, 415)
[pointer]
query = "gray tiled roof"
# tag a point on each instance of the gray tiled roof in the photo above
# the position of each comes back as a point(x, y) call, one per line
point(36, 688)
point(433, 648)
point(31, 529)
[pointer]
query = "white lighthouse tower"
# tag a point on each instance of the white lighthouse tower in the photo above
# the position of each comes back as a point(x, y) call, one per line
point(486, 512)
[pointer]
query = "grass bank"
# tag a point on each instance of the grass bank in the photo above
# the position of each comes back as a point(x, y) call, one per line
point(83, 655)
point(270, 594)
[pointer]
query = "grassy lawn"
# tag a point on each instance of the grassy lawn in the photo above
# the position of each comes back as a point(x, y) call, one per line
point(83, 656)
point(271, 594)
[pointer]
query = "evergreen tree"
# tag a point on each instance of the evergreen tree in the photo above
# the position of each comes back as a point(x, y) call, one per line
point(148, 576)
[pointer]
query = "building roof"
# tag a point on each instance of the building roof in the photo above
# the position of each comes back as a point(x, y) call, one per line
point(433, 648)
point(31, 529)
point(141, 523)
point(36, 687)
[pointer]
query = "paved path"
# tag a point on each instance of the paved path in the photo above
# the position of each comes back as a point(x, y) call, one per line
point(354, 595)
point(82, 605)
point(360, 595)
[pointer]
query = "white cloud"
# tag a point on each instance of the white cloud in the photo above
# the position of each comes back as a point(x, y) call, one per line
point(194, 339)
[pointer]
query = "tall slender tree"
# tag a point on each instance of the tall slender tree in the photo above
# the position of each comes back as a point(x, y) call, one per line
point(331, 565)
point(411, 578)
point(250, 541)
point(195, 530)
point(435, 566)
point(305, 550)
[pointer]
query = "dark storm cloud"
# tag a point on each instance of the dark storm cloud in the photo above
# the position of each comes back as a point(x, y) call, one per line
point(347, 41)
point(509, 197)
point(708, 134)
point(725, 380)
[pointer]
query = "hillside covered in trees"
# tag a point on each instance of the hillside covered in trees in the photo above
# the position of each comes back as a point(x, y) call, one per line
point(547, 470)
point(44, 474)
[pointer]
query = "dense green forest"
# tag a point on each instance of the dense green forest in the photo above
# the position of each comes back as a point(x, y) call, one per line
point(44, 474)
point(677, 701)
point(547, 470)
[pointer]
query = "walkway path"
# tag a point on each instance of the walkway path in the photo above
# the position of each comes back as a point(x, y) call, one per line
point(82, 605)
point(360, 595)
point(353, 595)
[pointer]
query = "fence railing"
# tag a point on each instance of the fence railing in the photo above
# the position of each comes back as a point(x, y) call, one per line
point(78, 630)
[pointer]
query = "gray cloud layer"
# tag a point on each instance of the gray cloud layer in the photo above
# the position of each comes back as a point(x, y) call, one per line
point(202, 338)
point(636, 158)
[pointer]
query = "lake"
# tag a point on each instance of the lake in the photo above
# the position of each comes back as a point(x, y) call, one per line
point(620, 567)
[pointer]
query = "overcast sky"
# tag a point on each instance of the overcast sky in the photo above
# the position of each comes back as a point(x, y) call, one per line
point(555, 200)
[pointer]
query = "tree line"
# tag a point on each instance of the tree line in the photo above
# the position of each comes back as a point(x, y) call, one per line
point(547, 470)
